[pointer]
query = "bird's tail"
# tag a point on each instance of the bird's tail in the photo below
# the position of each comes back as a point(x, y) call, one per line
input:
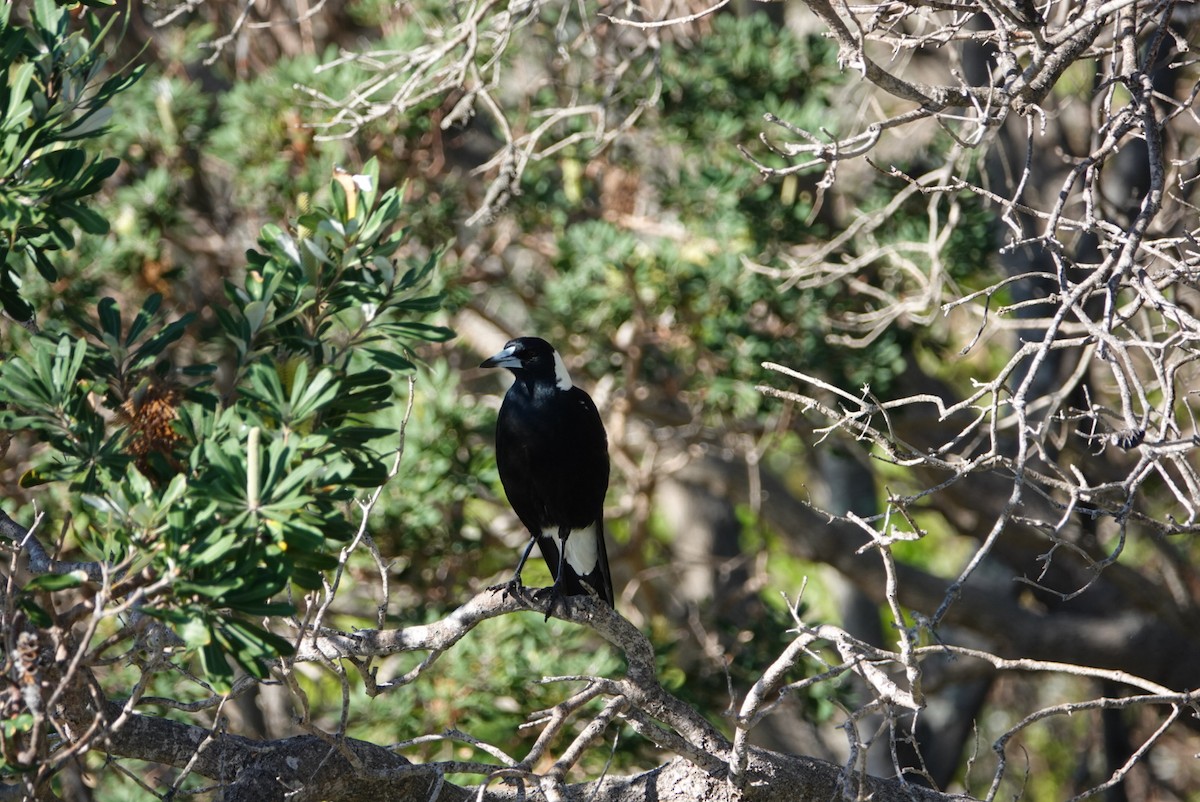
point(584, 562)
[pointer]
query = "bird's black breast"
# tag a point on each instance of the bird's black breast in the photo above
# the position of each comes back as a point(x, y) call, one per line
point(552, 453)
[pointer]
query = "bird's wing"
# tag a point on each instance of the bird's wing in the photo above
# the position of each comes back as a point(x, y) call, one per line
point(553, 462)
point(591, 447)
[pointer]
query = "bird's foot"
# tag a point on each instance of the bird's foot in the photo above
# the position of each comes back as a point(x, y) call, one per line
point(554, 598)
point(512, 587)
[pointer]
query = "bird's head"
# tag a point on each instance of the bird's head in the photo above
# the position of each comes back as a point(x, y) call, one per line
point(531, 359)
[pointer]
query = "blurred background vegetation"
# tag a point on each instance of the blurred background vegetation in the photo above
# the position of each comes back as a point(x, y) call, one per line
point(656, 262)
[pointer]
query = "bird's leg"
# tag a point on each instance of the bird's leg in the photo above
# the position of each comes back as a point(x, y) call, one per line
point(555, 591)
point(514, 586)
point(516, 580)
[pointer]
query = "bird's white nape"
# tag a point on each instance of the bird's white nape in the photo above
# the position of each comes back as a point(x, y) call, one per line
point(562, 379)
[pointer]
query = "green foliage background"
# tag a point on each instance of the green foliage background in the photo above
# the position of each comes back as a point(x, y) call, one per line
point(253, 342)
point(221, 261)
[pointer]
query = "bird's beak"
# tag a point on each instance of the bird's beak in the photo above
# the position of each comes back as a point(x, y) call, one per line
point(504, 359)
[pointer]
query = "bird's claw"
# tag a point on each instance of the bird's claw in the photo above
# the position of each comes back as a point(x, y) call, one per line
point(512, 587)
point(554, 598)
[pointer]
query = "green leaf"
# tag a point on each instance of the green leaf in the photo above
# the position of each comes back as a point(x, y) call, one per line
point(14, 305)
point(338, 194)
point(47, 14)
point(110, 318)
point(251, 647)
point(93, 177)
point(22, 722)
point(154, 346)
point(37, 616)
point(308, 398)
point(142, 320)
point(390, 360)
point(19, 76)
point(271, 645)
point(195, 633)
point(424, 331)
point(91, 124)
point(44, 266)
point(212, 547)
point(53, 582)
point(266, 608)
point(255, 314)
point(67, 362)
point(33, 478)
point(217, 671)
point(89, 221)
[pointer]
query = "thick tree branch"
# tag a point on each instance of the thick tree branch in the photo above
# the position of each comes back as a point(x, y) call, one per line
point(40, 561)
point(309, 767)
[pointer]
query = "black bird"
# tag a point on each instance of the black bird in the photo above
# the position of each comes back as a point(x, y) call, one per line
point(552, 453)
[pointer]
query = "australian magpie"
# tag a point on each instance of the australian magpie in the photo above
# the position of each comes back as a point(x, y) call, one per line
point(552, 453)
